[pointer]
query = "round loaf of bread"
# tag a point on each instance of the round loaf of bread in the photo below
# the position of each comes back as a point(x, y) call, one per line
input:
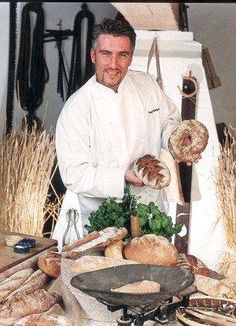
point(151, 249)
point(152, 171)
point(50, 263)
point(198, 134)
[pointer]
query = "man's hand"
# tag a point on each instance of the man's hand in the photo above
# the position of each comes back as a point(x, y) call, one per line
point(131, 178)
point(186, 142)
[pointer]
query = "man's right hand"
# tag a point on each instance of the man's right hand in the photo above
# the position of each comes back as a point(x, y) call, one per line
point(131, 178)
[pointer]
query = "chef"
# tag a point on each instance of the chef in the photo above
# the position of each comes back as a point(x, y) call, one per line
point(116, 117)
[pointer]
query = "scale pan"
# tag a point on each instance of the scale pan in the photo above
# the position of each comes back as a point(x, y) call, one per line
point(98, 284)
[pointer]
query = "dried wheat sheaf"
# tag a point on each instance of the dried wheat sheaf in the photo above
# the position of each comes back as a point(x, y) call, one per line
point(26, 171)
point(226, 193)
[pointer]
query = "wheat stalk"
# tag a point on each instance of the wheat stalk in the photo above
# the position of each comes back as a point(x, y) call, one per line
point(226, 194)
point(27, 160)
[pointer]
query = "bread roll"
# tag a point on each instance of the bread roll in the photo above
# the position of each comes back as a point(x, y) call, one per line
point(44, 319)
point(50, 263)
point(139, 287)
point(151, 249)
point(36, 302)
point(114, 249)
point(14, 282)
point(92, 263)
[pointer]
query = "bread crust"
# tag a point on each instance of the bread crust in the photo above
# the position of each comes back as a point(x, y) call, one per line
point(195, 265)
point(212, 287)
point(44, 319)
point(106, 237)
point(199, 138)
point(87, 238)
point(36, 281)
point(151, 249)
point(50, 263)
point(152, 171)
point(114, 249)
point(36, 302)
point(86, 264)
point(13, 282)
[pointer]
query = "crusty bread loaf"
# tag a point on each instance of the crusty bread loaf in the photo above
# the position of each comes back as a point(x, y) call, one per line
point(13, 282)
point(114, 249)
point(151, 249)
point(50, 263)
point(199, 138)
point(86, 264)
point(44, 319)
point(144, 286)
point(36, 281)
point(212, 287)
point(194, 264)
point(106, 237)
point(36, 302)
point(152, 171)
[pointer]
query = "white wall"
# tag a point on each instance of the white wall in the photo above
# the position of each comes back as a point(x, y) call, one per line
point(213, 25)
point(4, 26)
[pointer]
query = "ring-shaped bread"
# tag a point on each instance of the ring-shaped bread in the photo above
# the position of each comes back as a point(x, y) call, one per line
point(152, 171)
point(198, 134)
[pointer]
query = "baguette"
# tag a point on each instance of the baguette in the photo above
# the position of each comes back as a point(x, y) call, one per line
point(44, 319)
point(106, 237)
point(36, 302)
point(87, 238)
point(36, 281)
point(13, 282)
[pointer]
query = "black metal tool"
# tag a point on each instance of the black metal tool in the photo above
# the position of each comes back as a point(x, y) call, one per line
point(189, 93)
point(58, 36)
point(77, 76)
point(32, 71)
point(11, 68)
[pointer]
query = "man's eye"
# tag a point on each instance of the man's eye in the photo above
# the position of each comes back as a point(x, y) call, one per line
point(105, 54)
point(124, 55)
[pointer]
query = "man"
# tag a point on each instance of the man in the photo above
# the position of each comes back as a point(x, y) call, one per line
point(116, 117)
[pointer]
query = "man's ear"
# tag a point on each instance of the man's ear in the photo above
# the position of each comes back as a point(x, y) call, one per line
point(131, 60)
point(92, 55)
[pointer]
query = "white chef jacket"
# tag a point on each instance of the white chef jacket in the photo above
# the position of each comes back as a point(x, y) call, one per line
point(100, 133)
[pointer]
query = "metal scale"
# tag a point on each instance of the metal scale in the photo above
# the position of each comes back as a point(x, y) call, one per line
point(139, 308)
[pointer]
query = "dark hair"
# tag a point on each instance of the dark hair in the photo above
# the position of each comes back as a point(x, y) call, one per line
point(114, 27)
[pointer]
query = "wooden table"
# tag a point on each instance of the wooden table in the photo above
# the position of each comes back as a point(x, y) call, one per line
point(8, 258)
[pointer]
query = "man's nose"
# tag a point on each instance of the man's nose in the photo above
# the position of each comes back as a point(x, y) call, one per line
point(114, 62)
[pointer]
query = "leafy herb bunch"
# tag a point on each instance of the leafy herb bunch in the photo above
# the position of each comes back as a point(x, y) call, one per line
point(118, 214)
point(152, 220)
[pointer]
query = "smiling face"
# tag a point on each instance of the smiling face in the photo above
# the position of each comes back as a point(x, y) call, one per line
point(112, 58)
